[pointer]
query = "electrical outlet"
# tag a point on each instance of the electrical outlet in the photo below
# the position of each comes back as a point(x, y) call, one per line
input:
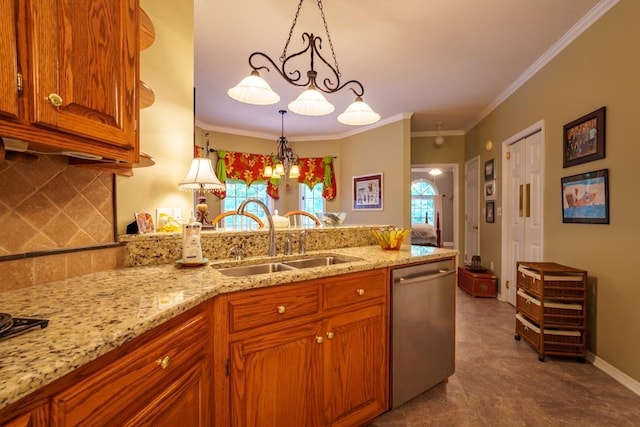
point(499, 211)
point(177, 214)
point(491, 265)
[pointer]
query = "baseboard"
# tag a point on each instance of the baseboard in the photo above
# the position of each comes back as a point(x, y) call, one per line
point(614, 373)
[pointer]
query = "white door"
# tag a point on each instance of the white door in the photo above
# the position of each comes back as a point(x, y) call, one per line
point(523, 202)
point(472, 209)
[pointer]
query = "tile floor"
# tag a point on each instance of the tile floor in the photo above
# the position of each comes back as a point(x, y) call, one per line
point(500, 382)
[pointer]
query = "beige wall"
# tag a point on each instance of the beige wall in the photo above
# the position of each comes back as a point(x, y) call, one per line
point(166, 127)
point(390, 143)
point(600, 68)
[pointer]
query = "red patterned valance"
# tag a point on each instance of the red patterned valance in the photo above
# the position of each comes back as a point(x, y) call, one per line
point(249, 168)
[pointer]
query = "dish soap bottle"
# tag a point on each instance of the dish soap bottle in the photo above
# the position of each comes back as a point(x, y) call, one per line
point(191, 246)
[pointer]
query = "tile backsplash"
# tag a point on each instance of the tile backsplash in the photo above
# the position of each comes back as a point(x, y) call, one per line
point(47, 205)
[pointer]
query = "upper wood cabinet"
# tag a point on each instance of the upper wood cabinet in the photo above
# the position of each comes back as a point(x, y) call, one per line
point(79, 68)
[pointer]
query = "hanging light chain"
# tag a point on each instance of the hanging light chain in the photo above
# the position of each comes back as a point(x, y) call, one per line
point(283, 57)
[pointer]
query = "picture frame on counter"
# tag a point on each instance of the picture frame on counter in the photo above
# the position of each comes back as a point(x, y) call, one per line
point(367, 192)
point(583, 140)
point(145, 222)
point(585, 198)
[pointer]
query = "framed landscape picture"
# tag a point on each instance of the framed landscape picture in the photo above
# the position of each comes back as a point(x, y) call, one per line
point(583, 140)
point(585, 198)
point(367, 192)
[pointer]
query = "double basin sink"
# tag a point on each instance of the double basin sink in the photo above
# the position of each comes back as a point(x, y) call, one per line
point(274, 267)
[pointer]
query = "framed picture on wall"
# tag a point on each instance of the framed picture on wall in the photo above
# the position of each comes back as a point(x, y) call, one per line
point(583, 140)
point(367, 192)
point(490, 190)
point(489, 174)
point(145, 222)
point(489, 212)
point(585, 198)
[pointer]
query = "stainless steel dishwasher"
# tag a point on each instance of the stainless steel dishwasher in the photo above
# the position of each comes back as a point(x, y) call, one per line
point(423, 328)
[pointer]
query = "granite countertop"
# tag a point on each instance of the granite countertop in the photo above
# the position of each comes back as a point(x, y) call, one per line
point(93, 314)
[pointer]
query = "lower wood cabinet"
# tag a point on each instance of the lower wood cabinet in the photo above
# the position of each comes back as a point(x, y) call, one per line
point(158, 383)
point(326, 368)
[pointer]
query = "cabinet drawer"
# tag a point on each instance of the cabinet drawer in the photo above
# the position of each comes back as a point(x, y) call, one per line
point(115, 392)
point(263, 308)
point(354, 289)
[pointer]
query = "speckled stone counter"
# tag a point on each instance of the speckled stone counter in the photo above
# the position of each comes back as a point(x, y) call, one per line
point(162, 248)
point(91, 315)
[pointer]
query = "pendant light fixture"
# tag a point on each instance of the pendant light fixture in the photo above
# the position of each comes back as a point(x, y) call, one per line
point(285, 161)
point(255, 90)
point(439, 138)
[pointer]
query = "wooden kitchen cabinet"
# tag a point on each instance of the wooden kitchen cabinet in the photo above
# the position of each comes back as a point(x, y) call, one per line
point(159, 383)
point(319, 358)
point(69, 76)
point(38, 417)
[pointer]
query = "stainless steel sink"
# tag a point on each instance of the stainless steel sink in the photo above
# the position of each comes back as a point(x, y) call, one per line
point(274, 267)
point(249, 270)
point(322, 261)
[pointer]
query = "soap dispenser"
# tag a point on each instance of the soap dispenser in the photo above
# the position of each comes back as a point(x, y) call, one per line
point(191, 246)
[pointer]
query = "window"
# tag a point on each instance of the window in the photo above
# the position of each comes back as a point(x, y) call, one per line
point(423, 206)
point(238, 191)
point(311, 200)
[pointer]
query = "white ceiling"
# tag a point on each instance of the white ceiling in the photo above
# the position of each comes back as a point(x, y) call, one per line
point(439, 60)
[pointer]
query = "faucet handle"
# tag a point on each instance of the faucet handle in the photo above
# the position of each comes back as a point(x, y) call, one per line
point(302, 243)
point(288, 245)
point(236, 252)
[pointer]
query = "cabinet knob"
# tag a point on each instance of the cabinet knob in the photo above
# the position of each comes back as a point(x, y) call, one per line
point(164, 362)
point(360, 291)
point(281, 309)
point(330, 335)
point(319, 340)
point(54, 99)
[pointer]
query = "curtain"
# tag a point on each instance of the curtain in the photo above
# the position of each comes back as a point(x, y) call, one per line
point(249, 168)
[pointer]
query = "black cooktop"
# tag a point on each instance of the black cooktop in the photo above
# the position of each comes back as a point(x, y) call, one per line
point(11, 326)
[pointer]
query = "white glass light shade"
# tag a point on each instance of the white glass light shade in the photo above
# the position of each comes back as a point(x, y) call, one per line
point(294, 172)
point(311, 103)
point(439, 140)
point(254, 90)
point(435, 172)
point(268, 172)
point(201, 175)
point(358, 114)
point(279, 169)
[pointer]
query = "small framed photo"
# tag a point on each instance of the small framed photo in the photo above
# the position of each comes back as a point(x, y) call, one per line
point(585, 198)
point(583, 140)
point(367, 192)
point(145, 222)
point(488, 171)
point(490, 190)
point(490, 212)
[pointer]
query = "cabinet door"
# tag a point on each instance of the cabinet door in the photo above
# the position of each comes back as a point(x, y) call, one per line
point(184, 402)
point(355, 366)
point(84, 68)
point(9, 63)
point(275, 378)
point(38, 417)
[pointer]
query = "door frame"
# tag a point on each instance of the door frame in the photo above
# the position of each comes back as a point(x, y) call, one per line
point(506, 235)
point(476, 190)
point(456, 194)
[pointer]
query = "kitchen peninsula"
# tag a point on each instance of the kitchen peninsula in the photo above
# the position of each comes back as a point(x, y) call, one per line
point(98, 319)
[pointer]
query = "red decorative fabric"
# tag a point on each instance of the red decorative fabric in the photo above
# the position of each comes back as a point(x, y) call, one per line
point(249, 168)
point(312, 172)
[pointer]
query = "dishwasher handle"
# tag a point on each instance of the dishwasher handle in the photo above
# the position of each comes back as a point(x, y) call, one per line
point(424, 277)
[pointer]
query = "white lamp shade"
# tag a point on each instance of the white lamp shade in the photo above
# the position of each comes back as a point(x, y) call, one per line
point(294, 172)
point(254, 90)
point(268, 172)
point(311, 103)
point(439, 140)
point(358, 114)
point(201, 175)
point(279, 169)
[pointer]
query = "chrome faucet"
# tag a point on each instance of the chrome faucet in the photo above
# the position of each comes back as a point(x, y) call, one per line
point(272, 229)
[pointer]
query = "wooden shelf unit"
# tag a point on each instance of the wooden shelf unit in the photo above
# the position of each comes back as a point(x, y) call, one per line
point(551, 308)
